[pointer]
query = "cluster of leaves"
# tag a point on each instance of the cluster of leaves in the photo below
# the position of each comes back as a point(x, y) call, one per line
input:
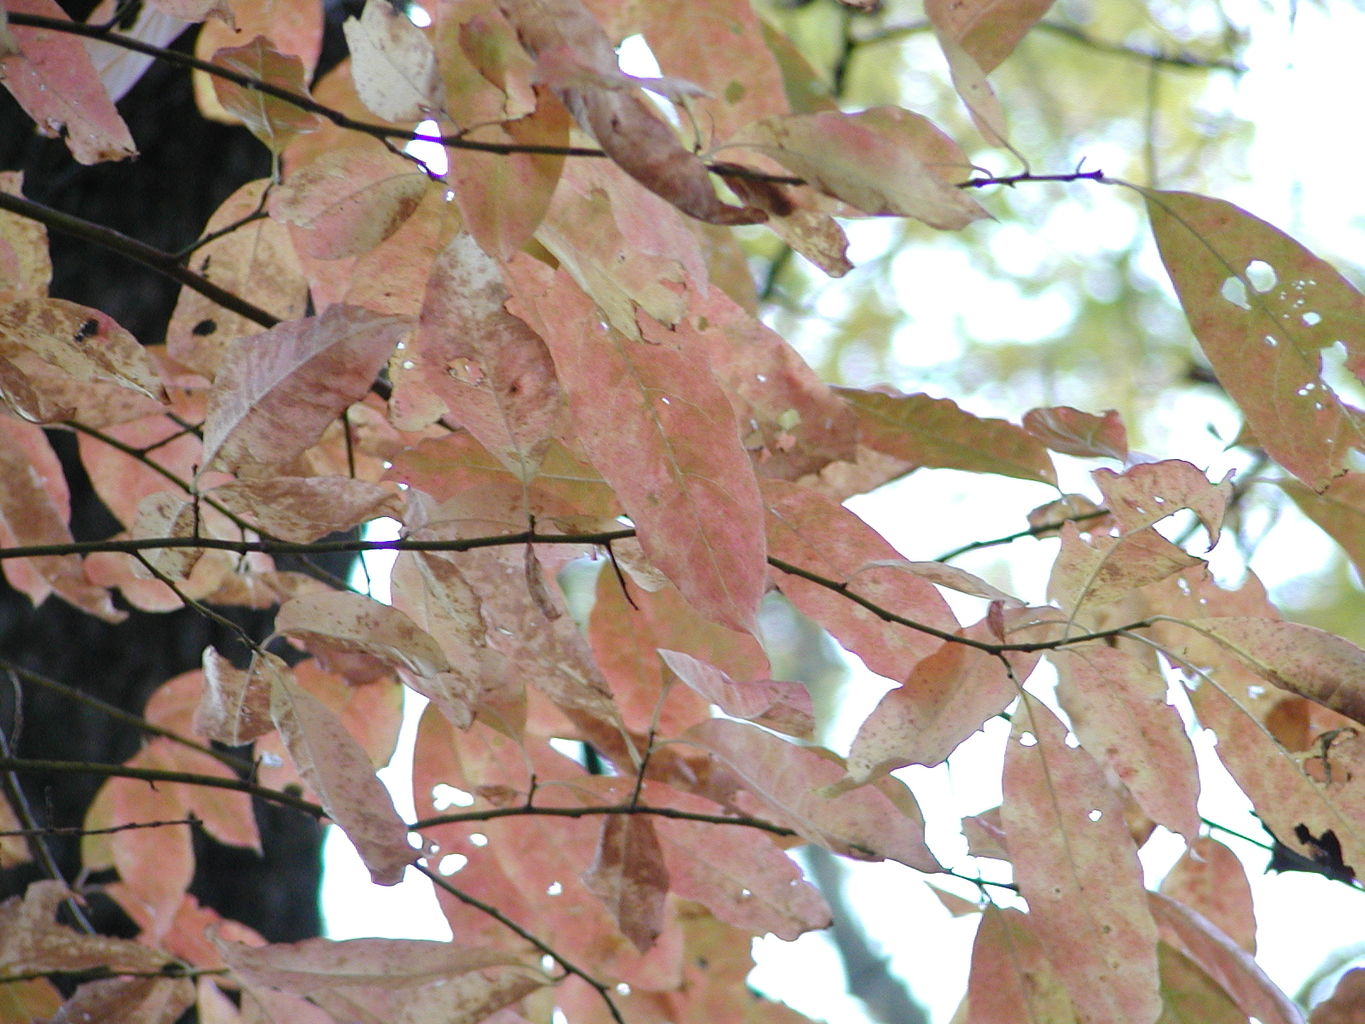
point(550, 354)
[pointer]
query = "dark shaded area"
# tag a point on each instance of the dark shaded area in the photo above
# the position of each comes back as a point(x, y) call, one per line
point(186, 167)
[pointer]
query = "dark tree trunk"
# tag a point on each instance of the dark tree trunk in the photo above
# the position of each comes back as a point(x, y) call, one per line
point(185, 169)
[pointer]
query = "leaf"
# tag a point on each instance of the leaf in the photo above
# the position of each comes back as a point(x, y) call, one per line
point(314, 965)
point(336, 768)
point(25, 265)
point(934, 432)
point(303, 509)
point(1011, 978)
point(783, 707)
point(31, 940)
point(562, 34)
point(1147, 493)
point(1076, 865)
point(1117, 707)
point(1301, 659)
point(277, 392)
point(868, 160)
point(948, 696)
point(255, 259)
point(472, 361)
point(393, 64)
point(740, 875)
point(1339, 509)
point(53, 79)
point(274, 121)
point(662, 433)
point(870, 823)
point(987, 30)
point(1264, 308)
point(348, 201)
point(629, 877)
point(1073, 432)
point(1210, 880)
point(149, 1000)
point(1103, 569)
point(340, 619)
point(235, 705)
point(504, 197)
point(34, 509)
point(79, 342)
point(1230, 966)
point(809, 530)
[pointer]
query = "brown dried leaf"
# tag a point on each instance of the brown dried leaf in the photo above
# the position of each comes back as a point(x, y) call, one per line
point(629, 877)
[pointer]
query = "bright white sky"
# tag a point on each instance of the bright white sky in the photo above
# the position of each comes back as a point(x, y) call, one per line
point(1303, 93)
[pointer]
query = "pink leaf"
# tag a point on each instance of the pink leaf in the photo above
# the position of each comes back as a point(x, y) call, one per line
point(1209, 879)
point(1072, 432)
point(661, 431)
point(947, 698)
point(1230, 966)
point(809, 530)
point(56, 84)
point(1263, 308)
point(871, 823)
point(1117, 706)
point(934, 432)
point(337, 769)
point(1149, 492)
point(629, 877)
point(276, 392)
point(784, 707)
point(1076, 865)
point(1301, 659)
point(1012, 980)
point(865, 159)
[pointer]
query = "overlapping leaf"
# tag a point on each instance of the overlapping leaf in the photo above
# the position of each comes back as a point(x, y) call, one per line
point(1264, 308)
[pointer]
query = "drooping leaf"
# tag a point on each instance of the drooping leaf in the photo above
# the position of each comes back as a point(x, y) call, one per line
point(1264, 308)
point(304, 509)
point(476, 364)
point(25, 264)
point(1099, 569)
point(1224, 961)
point(871, 823)
point(1339, 509)
point(946, 698)
point(659, 429)
point(1076, 865)
point(579, 64)
point(276, 392)
point(1149, 492)
point(935, 432)
point(1301, 659)
point(1011, 978)
point(809, 530)
point(782, 706)
point(336, 768)
point(629, 877)
point(348, 201)
point(1210, 879)
point(254, 259)
point(869, 160)
point(34, 509)
point(235, 707)
point(52, 78)
point(988, 30)
point(272, 120)
point(1118, 710)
